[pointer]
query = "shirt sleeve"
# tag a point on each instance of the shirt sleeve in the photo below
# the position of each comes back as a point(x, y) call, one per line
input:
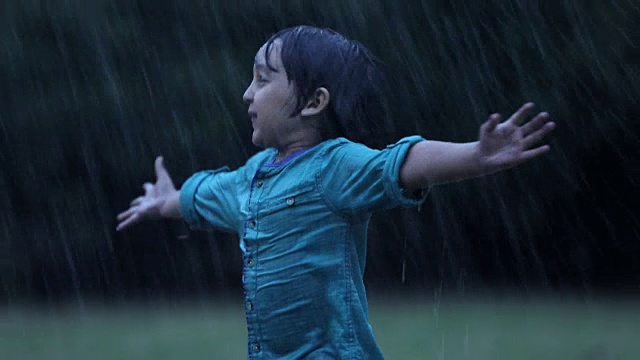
point(208, 200)
point(357, 179)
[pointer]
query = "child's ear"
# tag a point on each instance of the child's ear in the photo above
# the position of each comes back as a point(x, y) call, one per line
point(318, 102)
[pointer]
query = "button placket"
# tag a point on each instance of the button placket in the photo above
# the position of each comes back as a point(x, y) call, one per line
point(249, 273)
point(251, 263)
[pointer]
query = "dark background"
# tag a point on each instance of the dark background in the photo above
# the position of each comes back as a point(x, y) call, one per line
point(92, 91)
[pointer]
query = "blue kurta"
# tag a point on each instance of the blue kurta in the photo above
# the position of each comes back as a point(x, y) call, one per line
point(302, 225)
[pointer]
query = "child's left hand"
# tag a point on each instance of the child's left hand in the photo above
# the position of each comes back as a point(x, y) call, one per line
point(510, 143)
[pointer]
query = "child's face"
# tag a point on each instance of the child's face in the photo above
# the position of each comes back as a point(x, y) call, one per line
point(271, 99)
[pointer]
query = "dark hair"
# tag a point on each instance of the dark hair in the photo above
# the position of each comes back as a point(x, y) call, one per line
point(314, 57)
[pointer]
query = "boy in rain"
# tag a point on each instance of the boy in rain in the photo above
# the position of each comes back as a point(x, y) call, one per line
point(301, 206)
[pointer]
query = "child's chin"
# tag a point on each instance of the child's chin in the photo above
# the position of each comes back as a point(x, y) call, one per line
point(255, 140)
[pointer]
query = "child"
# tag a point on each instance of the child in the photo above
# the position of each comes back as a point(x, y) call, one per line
point(301, 206)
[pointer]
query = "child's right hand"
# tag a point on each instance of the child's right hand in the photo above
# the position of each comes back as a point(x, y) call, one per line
point(159, 200)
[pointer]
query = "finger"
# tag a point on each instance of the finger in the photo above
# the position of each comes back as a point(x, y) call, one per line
point(148, 188)
point(538, 135)
point(534, 153)
point(128, 222)
point(161, 171)
point(535, 124)
point(126, 214)
point(491, 124)
point(136, 201)
point(521, 114)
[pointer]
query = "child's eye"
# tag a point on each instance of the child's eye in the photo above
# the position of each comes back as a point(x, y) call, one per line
point(261, 79)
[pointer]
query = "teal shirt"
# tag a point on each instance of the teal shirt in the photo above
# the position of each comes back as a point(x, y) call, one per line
point(302, 226)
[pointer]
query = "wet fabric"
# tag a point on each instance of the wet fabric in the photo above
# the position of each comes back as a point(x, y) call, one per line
point(302, 225)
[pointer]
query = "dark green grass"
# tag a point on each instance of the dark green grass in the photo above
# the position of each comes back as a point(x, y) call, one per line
point(405, 330)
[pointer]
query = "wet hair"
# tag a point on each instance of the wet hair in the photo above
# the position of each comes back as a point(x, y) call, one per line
point(313, 58)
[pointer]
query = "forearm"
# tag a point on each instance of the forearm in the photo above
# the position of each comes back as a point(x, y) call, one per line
point(171, 206)
point(435, 162)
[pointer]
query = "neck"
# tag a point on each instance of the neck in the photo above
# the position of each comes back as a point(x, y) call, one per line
point(282, 154)
point(304, 138)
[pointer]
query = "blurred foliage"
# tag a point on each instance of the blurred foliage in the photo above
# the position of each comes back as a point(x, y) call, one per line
point(93, 91)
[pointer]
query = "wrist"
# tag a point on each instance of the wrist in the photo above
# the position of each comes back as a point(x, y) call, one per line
point(482, 165)
point(170, 205)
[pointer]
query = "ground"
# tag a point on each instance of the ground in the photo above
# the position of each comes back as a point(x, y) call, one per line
point(406, 329)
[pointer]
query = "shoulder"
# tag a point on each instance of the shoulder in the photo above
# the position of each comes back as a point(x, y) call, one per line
point(358, 179)
point(345, 150)
point(225, 175)
point(342, 149)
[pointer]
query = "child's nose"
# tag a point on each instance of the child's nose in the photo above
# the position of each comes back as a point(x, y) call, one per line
point(248, 95)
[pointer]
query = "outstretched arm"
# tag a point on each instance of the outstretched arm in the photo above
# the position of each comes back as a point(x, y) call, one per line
point(500, 146)
point(159, 200)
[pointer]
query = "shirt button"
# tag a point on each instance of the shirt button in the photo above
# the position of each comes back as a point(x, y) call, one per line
point(259, 183)
point(291, 201)
point(250, 262)
point(249, 306)
point(256, 347)
point(251, 224)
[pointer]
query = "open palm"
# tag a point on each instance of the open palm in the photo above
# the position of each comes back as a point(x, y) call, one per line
point(150, 205)
point(506, 144)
